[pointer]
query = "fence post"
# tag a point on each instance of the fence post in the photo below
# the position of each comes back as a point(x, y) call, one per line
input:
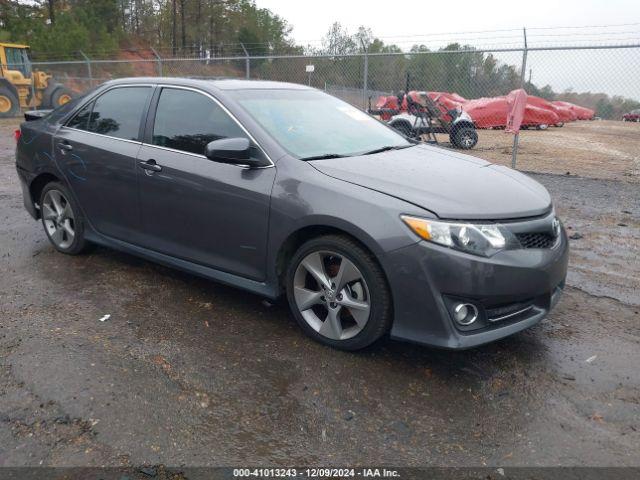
point(33, 85)
point(159, 59)
point(247, 62)
point(365, 76)
point(88, 62)
point(516, 137)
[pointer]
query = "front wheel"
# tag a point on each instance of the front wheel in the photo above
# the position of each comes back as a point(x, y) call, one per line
point(338, 293)
point(61, 219)
point(464, 138)
point(60, 96)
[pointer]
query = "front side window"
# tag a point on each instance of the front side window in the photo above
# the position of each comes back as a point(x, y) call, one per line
point(188, 121)
point(118, 112)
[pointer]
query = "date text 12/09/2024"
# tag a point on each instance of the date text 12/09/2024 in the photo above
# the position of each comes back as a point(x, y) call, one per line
point(316, 473)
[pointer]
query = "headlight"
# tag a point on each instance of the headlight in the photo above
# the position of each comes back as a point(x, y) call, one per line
point(478, 239)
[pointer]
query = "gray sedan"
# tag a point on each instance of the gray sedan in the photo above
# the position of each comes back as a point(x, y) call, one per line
point(281, 189)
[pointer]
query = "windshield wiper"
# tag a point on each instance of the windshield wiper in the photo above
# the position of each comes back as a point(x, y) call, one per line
point(386, 149)
point(324, 156)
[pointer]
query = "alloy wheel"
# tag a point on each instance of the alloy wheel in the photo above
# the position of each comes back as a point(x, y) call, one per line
point(59, 219)
point(332, 295)
point(467, 140)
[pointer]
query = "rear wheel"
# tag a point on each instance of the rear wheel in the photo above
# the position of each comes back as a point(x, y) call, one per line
point(464, 138)
point(61, 219)
point(9, 103)
point(338, 293)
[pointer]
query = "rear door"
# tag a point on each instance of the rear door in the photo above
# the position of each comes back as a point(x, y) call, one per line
point(97, 150)
point(210, 213)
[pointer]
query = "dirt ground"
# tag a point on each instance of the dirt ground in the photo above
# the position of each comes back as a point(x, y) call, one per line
point(189, 372)
point(597, 149)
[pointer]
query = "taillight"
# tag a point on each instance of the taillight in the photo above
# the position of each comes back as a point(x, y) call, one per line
point(17, 134)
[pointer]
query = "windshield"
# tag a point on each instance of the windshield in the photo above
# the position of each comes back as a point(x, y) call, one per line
point(309, 123)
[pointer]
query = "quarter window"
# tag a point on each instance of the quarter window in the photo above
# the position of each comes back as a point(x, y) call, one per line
point(188, 121)
point(81, 119)
point(118, 112)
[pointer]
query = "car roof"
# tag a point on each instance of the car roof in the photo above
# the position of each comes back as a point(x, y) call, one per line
point(221, 84)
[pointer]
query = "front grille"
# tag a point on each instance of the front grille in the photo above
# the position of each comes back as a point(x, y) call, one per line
point(536, 240)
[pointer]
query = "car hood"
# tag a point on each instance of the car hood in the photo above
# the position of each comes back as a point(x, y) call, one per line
point(449, 184)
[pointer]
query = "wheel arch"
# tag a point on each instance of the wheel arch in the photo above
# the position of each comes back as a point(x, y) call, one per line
point(37, 185)
point(307, 232)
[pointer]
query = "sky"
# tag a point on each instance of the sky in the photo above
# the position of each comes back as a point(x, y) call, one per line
point(311, 19)
point(495, 24)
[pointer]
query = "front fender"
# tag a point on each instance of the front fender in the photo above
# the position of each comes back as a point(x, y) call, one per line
point(304, 197)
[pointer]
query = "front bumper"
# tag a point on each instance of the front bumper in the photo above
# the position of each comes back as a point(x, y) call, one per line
point(426, 277)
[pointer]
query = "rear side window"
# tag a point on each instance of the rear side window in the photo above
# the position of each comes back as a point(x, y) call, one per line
point(118, 112)
point(188, 121)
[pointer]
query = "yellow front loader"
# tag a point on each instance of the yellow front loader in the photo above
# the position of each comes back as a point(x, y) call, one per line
point(22, 87)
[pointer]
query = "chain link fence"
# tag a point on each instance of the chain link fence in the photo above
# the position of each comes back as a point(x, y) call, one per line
point(574, 119)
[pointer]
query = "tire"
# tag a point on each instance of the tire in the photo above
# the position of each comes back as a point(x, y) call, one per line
point(9, 103)
point(60, 96)
point(404, 128)
point(366, 285)
point(542, 126)
point(559, 125)
point(66, 213)
point(464, 138)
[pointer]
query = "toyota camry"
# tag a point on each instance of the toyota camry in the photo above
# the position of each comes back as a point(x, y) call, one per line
point(283, 190)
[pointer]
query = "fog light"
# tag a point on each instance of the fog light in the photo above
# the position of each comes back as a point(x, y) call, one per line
point(465, 313)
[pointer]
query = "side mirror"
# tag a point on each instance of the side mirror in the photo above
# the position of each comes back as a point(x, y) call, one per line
point(236, 151)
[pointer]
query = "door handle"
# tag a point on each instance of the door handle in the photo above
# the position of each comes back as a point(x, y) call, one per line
point(150, 165)
point(65, 147)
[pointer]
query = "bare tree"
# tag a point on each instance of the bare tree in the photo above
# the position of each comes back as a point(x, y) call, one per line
point(174, 29)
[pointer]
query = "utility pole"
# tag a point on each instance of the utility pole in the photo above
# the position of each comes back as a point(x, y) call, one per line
point(52, 11)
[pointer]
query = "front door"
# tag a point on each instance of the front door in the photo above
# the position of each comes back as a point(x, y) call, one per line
point(97, 151)
point(210, 213)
